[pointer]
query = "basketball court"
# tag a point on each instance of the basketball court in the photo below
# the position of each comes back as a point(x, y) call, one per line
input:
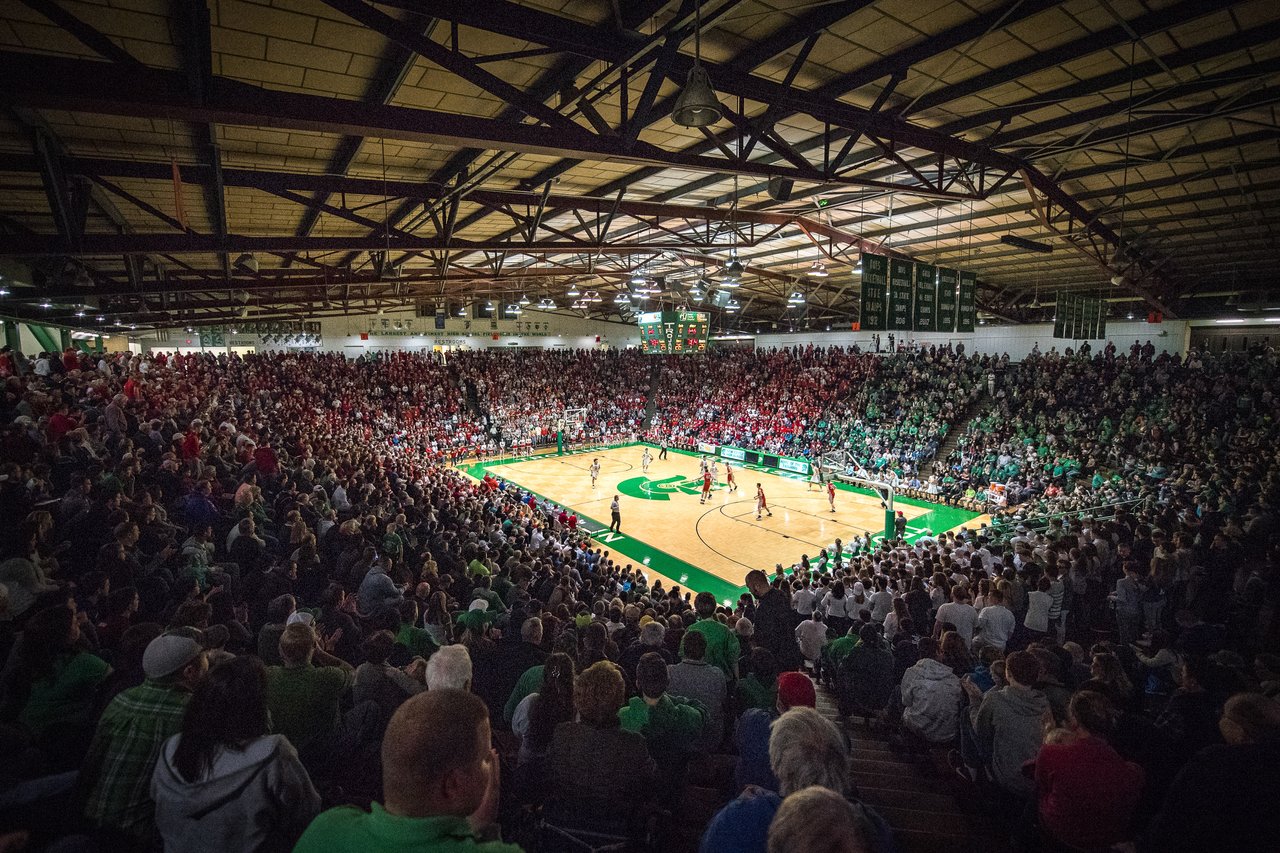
point(709, 546)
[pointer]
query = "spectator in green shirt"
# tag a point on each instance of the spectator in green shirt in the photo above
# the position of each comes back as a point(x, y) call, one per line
point(484, 590)
point(722, 644)
point(837, 650)
point(417, 640)
point(440, 778)
point(305, 696)
point(759, 688)
point(52, 688)
point(668, 723)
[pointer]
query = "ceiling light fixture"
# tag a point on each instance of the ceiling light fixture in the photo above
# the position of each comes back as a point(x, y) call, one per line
point(247, 262)
point(572, 291)
point(696, 105)
point(818, 270)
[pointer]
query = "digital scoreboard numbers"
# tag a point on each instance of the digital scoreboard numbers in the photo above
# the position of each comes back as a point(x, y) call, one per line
point(674, 332)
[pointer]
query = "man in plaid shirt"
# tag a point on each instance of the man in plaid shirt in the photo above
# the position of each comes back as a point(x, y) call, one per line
point(130, 734)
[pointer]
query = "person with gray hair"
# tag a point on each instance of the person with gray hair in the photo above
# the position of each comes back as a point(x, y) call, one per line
point(818, 820)
point(449, 669)
point(651, 639)
point(805, 750)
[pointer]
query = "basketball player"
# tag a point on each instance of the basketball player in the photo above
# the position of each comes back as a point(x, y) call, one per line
point(831, 494)
point(595, 471)
point(728, 476)
point(715, 471)
point(815, 477)
point(702, 465)
point(706, 486)
point(645, 459)
point(762, 504)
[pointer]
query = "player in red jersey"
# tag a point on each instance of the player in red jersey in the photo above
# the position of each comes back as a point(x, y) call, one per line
point(831, 494)
point(762, 503)
point(728, 476)
point(706, 486)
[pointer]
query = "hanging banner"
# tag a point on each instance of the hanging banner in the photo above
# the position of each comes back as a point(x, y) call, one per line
point(899, 295)
point(875, 279)
point(966, 302)
point(1063, 312)
point(926, 316)
point(1081, 308)
point(946, 312)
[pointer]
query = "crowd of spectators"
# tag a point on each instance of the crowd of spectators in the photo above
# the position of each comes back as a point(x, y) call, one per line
point(527, 393)
point(889, 412)
point(246, 606)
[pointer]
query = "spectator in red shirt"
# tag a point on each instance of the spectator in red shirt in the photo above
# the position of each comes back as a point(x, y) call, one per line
point(265, 459)
point(70, 359)
point(60, 423)
point(1087, 792)
point(191, 447)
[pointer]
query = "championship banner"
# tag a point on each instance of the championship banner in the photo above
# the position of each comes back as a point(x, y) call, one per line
point(946, 312)
point(1062, 311)
point(875, 280)
point(966, 302)
point(899, 295)
point(926, 316)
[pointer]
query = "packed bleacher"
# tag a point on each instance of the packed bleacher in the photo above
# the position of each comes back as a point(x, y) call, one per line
point(890, 412)
point(528, 394)
point(246, 605)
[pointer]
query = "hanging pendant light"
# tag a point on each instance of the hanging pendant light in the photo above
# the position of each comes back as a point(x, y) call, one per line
point(696, 105)
point(818, 270)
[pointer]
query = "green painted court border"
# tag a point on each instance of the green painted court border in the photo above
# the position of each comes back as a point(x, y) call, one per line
point(686, 574)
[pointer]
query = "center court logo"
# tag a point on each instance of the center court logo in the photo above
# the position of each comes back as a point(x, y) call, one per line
point(662, 490)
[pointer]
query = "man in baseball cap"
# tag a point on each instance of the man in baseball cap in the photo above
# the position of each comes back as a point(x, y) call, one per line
point(130, 734)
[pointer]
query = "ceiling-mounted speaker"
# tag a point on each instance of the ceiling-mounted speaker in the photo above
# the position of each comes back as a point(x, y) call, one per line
point(780, 188)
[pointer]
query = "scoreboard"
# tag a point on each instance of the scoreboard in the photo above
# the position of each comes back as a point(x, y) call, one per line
point(673, 332)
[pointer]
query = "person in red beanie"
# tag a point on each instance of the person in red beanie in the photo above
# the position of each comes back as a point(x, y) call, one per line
point(795, 690)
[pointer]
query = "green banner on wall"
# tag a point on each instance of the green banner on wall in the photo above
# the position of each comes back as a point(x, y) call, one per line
point(213, 336)
point(875, 279)
point(1079, 318)
point(899, 295)
point(946, 312)
point(966, 302)
point(926, 314)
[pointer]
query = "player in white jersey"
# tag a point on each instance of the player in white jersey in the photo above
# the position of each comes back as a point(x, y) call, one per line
point(645, 459)
point(762, 503)
point(715, 471)
point(702, 466)
point(815, 477)
point(728, 476)
point(595, 471)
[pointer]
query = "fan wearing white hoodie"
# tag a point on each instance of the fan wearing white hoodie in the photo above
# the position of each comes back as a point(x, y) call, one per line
point(931, 697)
point(232, 786)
